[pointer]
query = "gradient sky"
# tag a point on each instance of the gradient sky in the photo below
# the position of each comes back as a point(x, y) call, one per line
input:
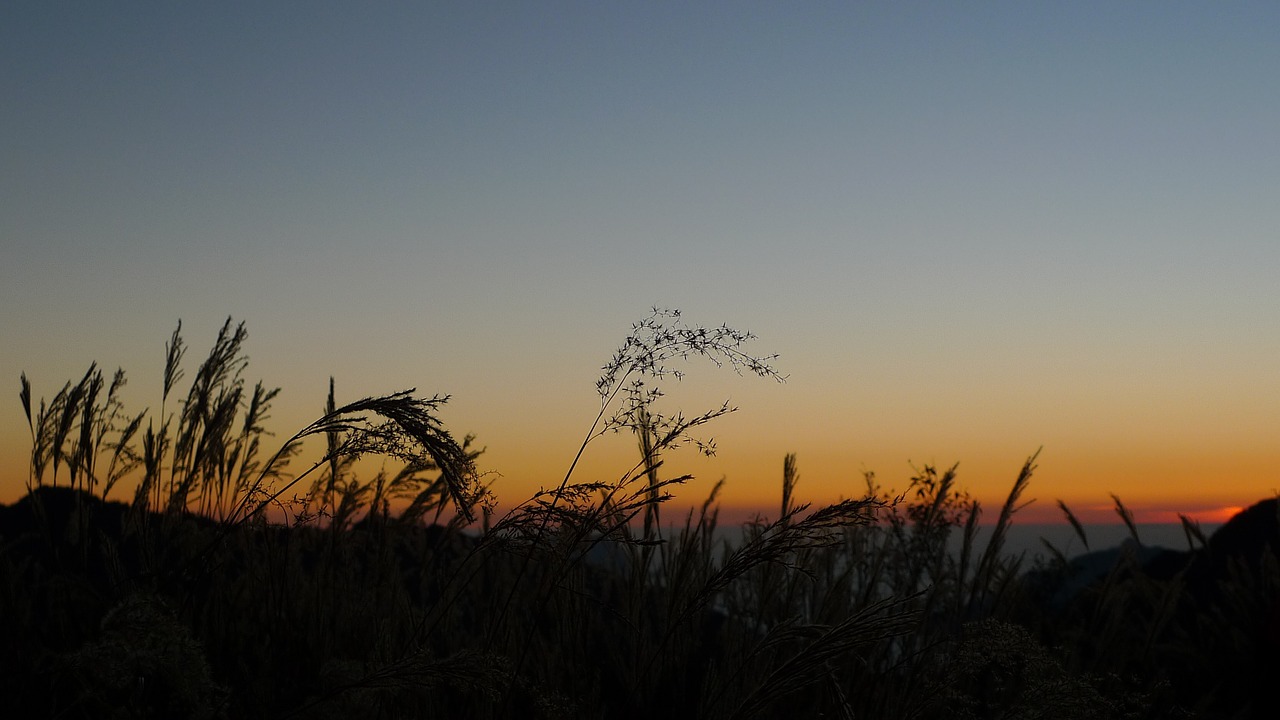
point(969, 230)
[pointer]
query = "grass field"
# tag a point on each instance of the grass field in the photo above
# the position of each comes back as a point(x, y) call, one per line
point(241, 578)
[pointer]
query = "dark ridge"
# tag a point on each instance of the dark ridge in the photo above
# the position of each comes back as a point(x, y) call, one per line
point(53, 508)
point(1207, 620)
point(1247, 536)
point(1232, 607)
point(87, 577)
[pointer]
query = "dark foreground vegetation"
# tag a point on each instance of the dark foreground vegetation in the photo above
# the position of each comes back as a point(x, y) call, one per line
point(223, 586)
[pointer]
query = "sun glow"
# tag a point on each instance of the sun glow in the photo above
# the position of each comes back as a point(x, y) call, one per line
point(1204, 516)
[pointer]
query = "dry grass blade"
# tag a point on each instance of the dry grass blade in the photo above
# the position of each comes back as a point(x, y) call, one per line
point(967, 545)
point(993, 556)
point(1058, 557)
point(1191, 528)
point(644, 431)
point(1127, 517)
point(790, 477)
point(173, 352)
point(1075, 524)
point(25, 396)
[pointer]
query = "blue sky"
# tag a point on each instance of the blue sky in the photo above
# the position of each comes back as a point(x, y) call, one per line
point(969, 230)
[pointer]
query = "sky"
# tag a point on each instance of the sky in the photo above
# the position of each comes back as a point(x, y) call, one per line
point(969, 231)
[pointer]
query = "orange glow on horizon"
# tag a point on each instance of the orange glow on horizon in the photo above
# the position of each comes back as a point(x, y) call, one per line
point(1145, 514)
point(1215, 516)
point(1206, 484)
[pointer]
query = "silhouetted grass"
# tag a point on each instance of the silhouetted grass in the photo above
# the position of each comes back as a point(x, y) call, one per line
point(245, 582)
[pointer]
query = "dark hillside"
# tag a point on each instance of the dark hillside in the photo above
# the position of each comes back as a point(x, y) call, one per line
point(99, 595)
point(1206, 623)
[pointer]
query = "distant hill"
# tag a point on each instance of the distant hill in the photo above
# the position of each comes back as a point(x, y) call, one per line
point(1208, 619)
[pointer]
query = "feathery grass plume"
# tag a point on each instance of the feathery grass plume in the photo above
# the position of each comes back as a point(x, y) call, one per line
point(214, 458)
point(41, 451)
point(70, 410)
point(53, 424)
point(790, 476)
point(213, 451)
point(1127, 517)
point(1191, 528)
point(332, 439)
point(105, 420)
point(937, 490)
point(39, 435)
point(649, 353)
point(933, 516)
point(1075, 524)
point(155, 446)
point(207, 416)
point(990, 562)
point(431, 494)
point(124, 459)
point(644, 430)
point(25, 396)
point(418, 436)
point(70, 404)
point(966, 548)
point(244, 459)
point(102, 420)
point(82, 455)
point(338, 494)
point(409, 431)
point(174, 350)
